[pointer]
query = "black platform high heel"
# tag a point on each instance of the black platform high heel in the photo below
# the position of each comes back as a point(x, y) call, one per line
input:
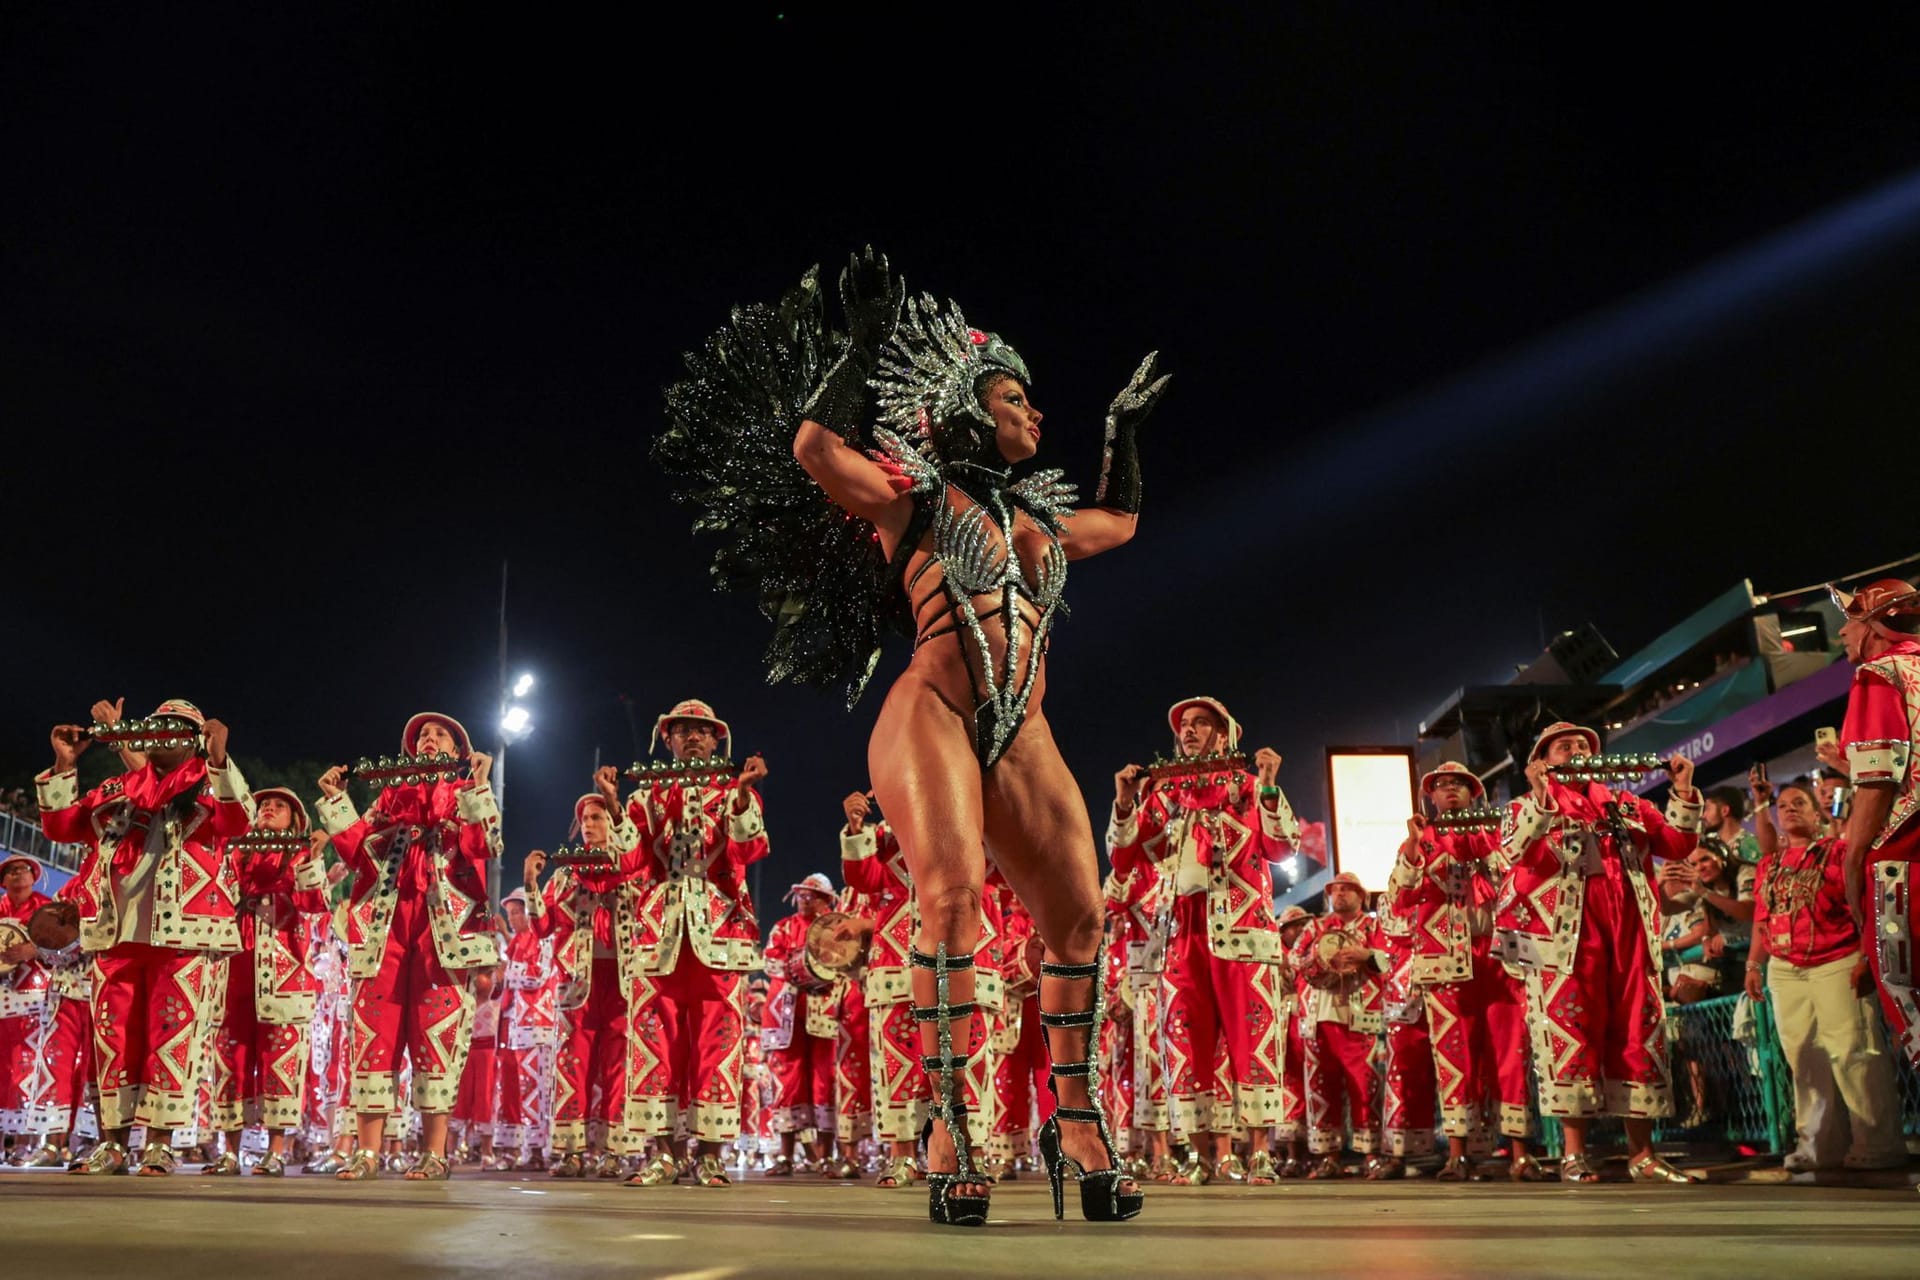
point(1101, 1199)
point(945, 1205)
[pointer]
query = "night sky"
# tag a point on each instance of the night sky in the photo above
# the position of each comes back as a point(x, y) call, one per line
point(1480, 328)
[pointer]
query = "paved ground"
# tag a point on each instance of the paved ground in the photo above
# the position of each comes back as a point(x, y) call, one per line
point(262, 1229)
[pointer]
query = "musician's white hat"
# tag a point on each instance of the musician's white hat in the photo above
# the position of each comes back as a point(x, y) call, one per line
point(815, 883)
point(1214, 705)
point(463, 741)
point(34, 863)
point(1561, 729)
point(302, 823)
point(1452, 769)
point(693, 709)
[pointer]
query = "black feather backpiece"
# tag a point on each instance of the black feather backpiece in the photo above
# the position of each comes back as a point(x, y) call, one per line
point(818, 571)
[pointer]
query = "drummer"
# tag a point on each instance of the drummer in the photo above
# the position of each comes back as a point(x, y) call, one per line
point(798, 1031)
point(1341, 957)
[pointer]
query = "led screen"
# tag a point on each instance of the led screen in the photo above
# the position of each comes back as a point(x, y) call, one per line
point(1370, 793)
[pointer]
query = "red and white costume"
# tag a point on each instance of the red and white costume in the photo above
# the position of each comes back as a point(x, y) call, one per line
point(874, 866)
point(1407, 1097)
point(262, 1043)
point(1340, 1028)
point(476, 1105)
point(529, 1018)
point(1881, 737)
point(1444, 886)
point(798, 1033)
point(1116, 1037)
point(64, 1064)
point(1141, 893)
point(1578, 916)
point(417, 929)
point(157, 914)
point(1293, 1055)
point(1021, 1100)
point(1212, 838)
point(23, 1007)
point(852, 1051)
point(694, 937)
point(588, 917)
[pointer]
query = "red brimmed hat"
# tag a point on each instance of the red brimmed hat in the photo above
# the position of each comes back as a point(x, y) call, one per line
point(1294, 915)
point(1214, 705)
point(1559, 729)
point(34, 863)
point(460, 736)
point(1880, 604)
point(592, 797)
point(301, 822)
point(815, 883)
point(692, 709)
point(1452, 768)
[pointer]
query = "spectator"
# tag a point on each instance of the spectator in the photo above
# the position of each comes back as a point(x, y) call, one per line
point(1725, 810)
point(1806, 953)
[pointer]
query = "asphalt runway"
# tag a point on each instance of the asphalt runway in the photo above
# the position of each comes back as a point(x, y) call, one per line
point(534, 1226)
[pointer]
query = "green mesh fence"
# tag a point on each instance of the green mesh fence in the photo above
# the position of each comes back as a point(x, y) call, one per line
point(1728, 1090)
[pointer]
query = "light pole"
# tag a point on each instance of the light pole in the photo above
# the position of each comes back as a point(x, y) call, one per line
point(514, 723)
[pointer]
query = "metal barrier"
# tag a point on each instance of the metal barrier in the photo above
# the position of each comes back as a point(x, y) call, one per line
point(23, 835)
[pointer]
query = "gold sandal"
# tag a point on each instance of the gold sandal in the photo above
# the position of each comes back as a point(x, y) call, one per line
point(1261, 1171)
point(900, 1172)
point(1527, 1169)
point(1230, 1168)
point(227, 1166)
point(570, 1165)
point(156, 1161)
point(362, 1166)
point(659, 1171)
point(430, 1167)
point(709, 1172)
point(1651, 1168)
point(1575, 1168)
point(1457, 1169)
point(272, 1165)
point(107, 1158)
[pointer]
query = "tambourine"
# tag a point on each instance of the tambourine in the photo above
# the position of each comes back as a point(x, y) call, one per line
point(1628, 768)
point(147, 733)
point(405, 770)
point(654, 773)
point(1331, 944)
point(255, 843)
point(12, 934)
point(54, 926)
point(1209, 770)
point(1468, 820)
point(579, 855)
point(837, 946)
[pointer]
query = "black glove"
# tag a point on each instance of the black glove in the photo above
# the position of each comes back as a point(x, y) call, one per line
point(871, 295)
point(1120, 465)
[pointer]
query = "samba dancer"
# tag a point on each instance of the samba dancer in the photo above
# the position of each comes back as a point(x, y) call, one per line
point(1578, 916)
point(1881, 740)
point(962, 757)
point(156, 912)
point(1212, 833)
point(263, 1041)
point(417, 930)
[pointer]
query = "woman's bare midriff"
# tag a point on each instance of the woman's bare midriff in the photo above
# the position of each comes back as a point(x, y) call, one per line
point(948, 666)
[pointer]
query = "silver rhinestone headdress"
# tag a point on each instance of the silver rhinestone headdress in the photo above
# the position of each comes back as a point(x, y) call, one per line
point(926, 372)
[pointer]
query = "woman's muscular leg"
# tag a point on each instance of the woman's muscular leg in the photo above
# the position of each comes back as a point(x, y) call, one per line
point(926, 778)
point(1042, 841)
